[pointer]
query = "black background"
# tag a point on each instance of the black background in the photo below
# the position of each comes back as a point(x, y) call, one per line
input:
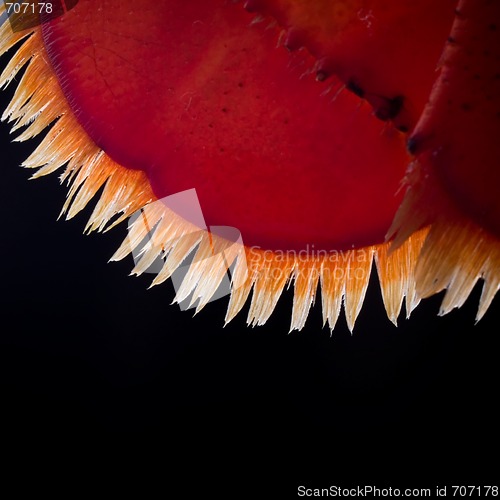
point(95, 367)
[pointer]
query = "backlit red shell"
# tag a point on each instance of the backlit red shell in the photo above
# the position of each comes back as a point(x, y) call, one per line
point(195, 96)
